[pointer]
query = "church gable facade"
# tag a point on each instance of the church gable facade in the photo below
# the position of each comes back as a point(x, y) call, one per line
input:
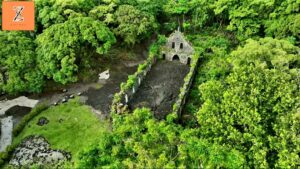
point(178, 48)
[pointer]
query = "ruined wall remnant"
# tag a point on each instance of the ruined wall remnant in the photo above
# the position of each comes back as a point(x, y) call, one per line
point(178, 48)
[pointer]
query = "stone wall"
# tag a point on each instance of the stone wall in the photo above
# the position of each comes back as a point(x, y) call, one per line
point(122, 98)
point(140, 76)
point(184, 91)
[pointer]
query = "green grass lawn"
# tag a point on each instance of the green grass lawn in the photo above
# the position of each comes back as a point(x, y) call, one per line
point(72, 127)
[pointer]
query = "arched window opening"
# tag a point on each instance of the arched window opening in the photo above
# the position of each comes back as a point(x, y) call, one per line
point(181, 45)
point(173, 45)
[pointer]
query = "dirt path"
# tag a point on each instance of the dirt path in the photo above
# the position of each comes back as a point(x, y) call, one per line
point(160, 88)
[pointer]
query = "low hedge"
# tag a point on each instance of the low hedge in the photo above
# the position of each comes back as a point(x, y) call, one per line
point(6, 155)
point(34, 112)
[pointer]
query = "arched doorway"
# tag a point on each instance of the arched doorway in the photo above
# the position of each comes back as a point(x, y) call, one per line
point(176, 58)
point(188, 61)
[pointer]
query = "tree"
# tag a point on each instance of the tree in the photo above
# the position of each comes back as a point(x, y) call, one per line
point(138, 140)
point(284, 20)
point(133, 25)
point(63, 47)
point(246, 17)
point(201, 13)
point(51, 12)
point(244, 111)
point(196, 152)
point(18, 70)
point(269, 53)
point(104, 13)
point(153, 7)
point(178, 8)
point(252, 109)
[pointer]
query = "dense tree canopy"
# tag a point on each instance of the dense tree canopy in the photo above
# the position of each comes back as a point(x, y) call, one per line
point(243, 108)
point(133, 24)
point(18, 72)
point(250, 106)
point(62, 45)
point(140, 141)
point(50, 12)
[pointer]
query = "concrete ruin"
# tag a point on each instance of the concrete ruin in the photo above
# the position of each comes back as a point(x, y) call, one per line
point(178, 48)
point(7, 121)
point(20, 101)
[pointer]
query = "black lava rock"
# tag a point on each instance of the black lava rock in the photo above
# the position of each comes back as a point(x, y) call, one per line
point(43, 121)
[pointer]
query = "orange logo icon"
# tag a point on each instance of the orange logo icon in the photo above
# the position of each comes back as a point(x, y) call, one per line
point(17, 15)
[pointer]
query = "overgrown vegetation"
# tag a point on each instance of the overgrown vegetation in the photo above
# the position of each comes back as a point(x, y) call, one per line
point(72, 127)
point(243, 109)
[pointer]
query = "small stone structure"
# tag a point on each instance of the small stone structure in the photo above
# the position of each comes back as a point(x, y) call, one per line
point(178, 48)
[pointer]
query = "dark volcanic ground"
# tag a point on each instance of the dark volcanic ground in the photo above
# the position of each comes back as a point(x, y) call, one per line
point(101, 99)
point(160, 88)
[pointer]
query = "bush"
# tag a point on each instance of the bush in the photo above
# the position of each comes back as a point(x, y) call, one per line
point(4, 156)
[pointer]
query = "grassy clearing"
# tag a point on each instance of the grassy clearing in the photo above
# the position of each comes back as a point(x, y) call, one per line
point(72, 127)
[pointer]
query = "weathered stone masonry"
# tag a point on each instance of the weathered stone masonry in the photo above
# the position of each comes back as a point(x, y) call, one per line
point(178, 48)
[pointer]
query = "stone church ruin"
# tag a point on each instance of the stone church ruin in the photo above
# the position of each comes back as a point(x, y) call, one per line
point(178, 48)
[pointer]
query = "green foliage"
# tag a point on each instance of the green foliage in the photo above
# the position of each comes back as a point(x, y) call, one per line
point(0, 15)
point(18, 72)
point(51, 12)
point(61, 46)
point(103, 13)
point(267, 53)
point(255, 18)
point(214, 49)
point(284, 20)
point(250, 105)
point(200, 153)
point(6, 155)
point(132, 79)
point(243, 111)
point(138, 140)
point(245, 103)
point(201, 13)
point(26, 119)
point(133, 24)
point(72, 127)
